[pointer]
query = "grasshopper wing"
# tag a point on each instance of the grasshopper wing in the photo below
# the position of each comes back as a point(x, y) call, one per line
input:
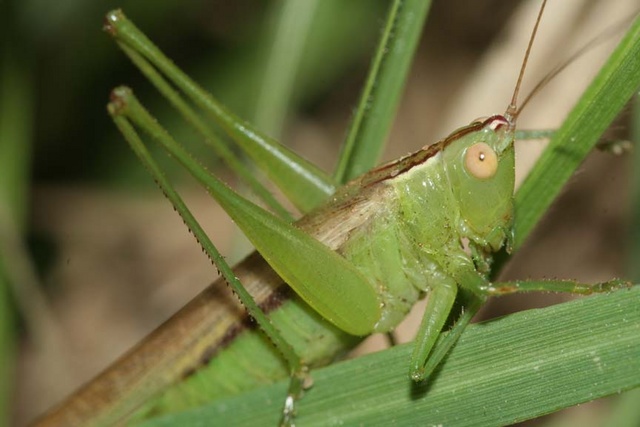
point(321, 277)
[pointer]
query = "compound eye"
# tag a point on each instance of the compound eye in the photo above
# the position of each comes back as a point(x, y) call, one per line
point(481, 161)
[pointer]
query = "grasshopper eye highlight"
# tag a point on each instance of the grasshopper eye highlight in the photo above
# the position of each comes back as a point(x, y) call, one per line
point(481, 161)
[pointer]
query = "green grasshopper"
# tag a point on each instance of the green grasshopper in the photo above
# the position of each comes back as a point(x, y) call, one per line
point(361, 256)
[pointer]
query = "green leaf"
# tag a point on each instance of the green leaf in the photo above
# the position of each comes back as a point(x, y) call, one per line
point(501, 372)
point(289, 36)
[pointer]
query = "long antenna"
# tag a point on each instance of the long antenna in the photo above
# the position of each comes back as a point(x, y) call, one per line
point(512, 110)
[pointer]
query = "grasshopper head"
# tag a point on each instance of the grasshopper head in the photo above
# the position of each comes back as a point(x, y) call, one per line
point(480, 164)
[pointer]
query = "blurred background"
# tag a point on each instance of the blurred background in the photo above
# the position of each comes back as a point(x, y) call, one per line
point(92, 257)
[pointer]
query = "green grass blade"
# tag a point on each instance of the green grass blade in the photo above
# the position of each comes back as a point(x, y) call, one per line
point(599, 105)
point(16, 121)
point(381, 95)
point(292, 26)
point(303, 183)
point(626, 411)
point(548, 359)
